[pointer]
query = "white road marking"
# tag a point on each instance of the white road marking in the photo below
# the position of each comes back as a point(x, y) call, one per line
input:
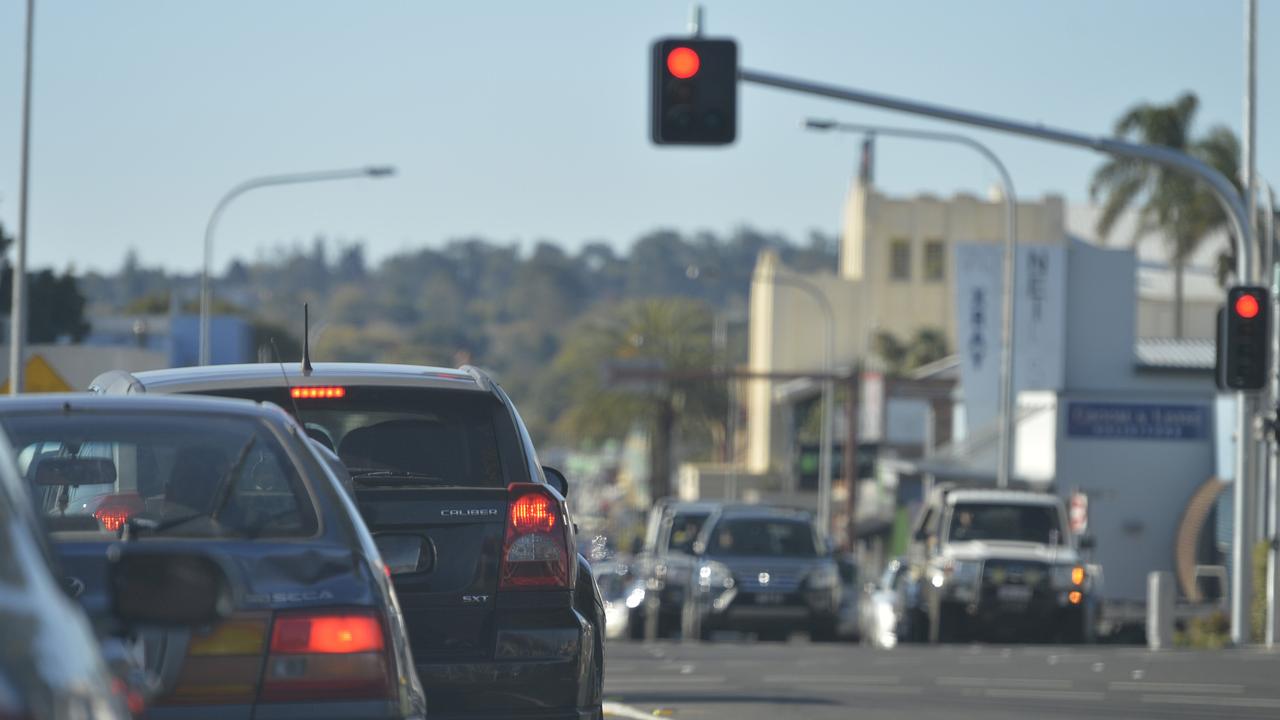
point(1152, 687)
point(613, 683)
point(1003, 694)
point(839, 679)
point(1240, 702)
point(1099, 667)
point(618, 710)
point(979, 682)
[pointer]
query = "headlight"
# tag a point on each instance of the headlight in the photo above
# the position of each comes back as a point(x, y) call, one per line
point(635, 598)
point(715, 576)
point(824, 578)
point(1069, 576)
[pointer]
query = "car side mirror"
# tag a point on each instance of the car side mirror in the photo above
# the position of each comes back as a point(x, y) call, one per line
point(168, 589)
point(1086, 542)
point(405, 553)
point(557, 480)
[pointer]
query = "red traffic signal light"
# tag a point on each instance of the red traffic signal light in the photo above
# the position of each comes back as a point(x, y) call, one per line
point(683, 62)
point(1247, 307)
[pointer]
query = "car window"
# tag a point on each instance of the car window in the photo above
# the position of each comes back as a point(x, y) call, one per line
point(443, 437)
point(1016, 523)
point(684, 531)
point(762, 537)
point(196, 476)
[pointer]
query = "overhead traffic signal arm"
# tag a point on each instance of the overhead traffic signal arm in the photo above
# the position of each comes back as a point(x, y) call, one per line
point(695, 91)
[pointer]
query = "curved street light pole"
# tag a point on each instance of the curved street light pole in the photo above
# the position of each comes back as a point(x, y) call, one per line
point(828, 392)
point(1004, 463)
point(206, 289)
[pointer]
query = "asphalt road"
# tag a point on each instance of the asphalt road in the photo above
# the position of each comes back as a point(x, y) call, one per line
point(748, 680)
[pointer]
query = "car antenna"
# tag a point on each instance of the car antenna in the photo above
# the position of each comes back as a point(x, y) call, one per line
point(284, 374)
point(306, 339)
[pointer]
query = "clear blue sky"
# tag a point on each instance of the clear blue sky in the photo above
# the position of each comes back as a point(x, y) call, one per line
point(527, 120)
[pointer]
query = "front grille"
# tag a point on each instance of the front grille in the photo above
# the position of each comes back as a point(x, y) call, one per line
point(1016, 572)
point(779, 580)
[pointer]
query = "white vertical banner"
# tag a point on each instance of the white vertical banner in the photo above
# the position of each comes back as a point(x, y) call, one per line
point(1039, 324)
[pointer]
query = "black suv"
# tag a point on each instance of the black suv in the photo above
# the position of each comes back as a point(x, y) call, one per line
point(503, 617)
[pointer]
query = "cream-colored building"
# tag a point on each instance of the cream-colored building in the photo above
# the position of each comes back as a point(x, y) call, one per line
point(896, 274)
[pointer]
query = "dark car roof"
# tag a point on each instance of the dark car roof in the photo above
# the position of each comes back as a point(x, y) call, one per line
point(194, 404)
point(213, 377)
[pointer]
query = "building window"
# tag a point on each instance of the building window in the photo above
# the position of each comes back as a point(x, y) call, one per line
point(935, 260)
point(899, 259)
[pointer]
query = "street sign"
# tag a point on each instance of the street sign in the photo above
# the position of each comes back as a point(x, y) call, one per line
point(695, 91)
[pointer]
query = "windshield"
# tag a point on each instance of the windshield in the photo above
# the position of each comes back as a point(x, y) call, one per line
point(182, 475)
point(1014, 523)
point(392, 434)
point(684, 531)
point(761, 538)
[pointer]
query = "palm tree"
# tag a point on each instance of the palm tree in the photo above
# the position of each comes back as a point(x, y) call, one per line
point(669, 335)
point(1171, 203)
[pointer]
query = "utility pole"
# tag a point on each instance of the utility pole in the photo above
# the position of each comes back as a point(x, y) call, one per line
point(18, 306)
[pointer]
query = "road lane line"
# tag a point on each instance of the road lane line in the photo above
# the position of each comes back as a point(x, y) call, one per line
point(1239, 702)
point(1023, 683)
point(664, 680)
point(1072, 695)
point(618, 710)
point(841, 679)
point(1180, 688)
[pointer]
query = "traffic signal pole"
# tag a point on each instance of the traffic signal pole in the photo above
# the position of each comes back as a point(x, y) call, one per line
point(1240, 225)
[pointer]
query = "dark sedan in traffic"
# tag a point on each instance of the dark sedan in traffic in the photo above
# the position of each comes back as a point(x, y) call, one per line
point(314, 630)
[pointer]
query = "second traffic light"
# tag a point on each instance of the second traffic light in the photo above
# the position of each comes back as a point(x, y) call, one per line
point(695, 91)
point(1244, 330)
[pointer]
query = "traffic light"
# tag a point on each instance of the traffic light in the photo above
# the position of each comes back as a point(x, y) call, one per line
point(1244, 327)
point(695, 91)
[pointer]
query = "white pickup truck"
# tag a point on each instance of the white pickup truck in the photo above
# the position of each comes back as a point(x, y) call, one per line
point(1000, 564)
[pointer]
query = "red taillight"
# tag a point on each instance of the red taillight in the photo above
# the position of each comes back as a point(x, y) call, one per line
point(535, 552)
point(115, 510)
point(327, 655)
point(318, 392)
point(533, 513)
point(326, 634)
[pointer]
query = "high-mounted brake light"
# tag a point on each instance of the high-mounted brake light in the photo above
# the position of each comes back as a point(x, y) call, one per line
point(535, 551)
point(327, 654)
point(318, 392)
point(115, 510)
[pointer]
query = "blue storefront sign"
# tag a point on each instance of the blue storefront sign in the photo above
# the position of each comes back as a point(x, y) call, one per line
point(1137, 422)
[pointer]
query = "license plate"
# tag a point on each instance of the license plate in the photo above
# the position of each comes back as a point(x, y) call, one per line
point(1014, 593)
point(770, 598)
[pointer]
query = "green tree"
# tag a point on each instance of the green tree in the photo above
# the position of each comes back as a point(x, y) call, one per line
point(926, 346)
point(670, 334)
point(55, 307)
point(1169, 202)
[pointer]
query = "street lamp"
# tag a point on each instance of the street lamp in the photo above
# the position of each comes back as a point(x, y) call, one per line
point(1004, 463)
point(206, 290)
point(828, 367)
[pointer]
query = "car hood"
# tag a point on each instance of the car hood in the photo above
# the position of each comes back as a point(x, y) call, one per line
point(1028, 552)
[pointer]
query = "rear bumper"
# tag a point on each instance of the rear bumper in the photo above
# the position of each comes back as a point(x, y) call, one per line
point(538, 673)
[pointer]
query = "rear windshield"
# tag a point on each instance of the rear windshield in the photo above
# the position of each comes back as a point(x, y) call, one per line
point(1015, 523)
point(762, 538)
point(171, 474)
point(397, 435)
